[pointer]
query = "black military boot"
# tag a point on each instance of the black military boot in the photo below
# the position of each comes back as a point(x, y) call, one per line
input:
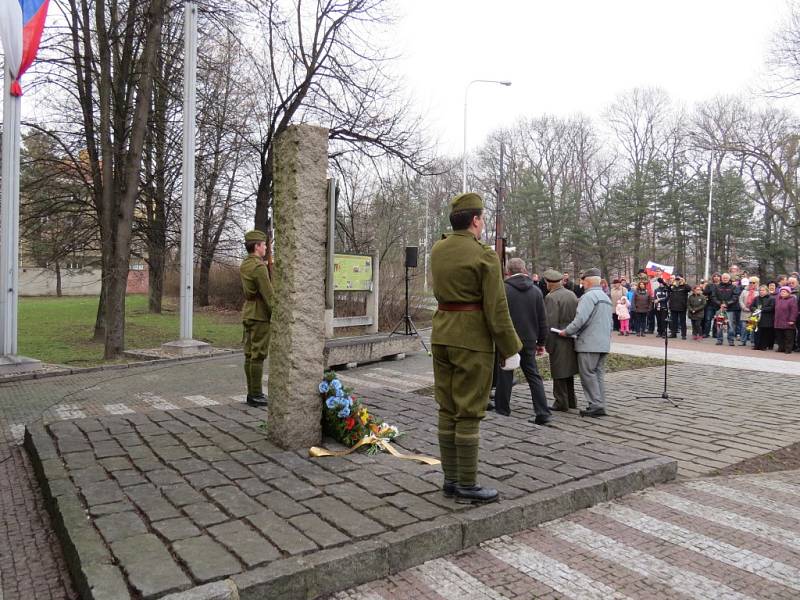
point(257, 400)
point(449, 488)
point(475, 494)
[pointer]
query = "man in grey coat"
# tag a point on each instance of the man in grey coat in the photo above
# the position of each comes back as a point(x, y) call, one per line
point(592, 326)
point(560, 305)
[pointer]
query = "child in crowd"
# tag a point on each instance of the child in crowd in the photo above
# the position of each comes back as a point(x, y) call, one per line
point(721, 324)
point(785, 319)
point(624, 316)
point(696, 304)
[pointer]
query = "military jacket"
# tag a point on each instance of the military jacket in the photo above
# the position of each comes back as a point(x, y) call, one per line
point(257, 289)
point(560, 306)
point(466, 271)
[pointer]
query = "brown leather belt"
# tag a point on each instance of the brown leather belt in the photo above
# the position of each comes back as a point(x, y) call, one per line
point(459, 306)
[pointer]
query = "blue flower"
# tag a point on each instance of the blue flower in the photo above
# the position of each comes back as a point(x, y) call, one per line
point(323, 387)
point(349, 401)
point(331, 402)
point(337, 385)
point(345, 412)
point(339, 393)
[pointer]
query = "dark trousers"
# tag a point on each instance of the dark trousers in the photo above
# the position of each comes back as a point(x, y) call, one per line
point(785, 340)
point(678, 320)
point(708, 321)
point(697, 327)
point(651, 320)
point(502, 396)
point(615, 322)
point(765, 338)
point(564, 393)
point(639, 322)
point(661, 322)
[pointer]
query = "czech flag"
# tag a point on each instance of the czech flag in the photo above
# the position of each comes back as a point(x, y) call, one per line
point(21, 25)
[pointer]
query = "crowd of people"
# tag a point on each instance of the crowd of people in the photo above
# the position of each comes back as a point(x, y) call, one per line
point(732, 306)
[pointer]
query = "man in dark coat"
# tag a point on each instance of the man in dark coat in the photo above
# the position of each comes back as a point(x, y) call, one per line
point(526, 305)
point(678, 301)
point(560, 305)
point(727, 294)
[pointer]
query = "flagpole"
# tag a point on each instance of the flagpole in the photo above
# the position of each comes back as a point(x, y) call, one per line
point(186, 345)
point(9, 234)
point(9, 220)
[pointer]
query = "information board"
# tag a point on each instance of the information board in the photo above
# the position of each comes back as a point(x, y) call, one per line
point(352, 273)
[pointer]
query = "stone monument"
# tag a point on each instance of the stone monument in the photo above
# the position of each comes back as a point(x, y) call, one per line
point(297, 338)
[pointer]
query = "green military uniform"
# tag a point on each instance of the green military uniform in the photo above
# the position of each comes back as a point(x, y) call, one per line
point(256, 315)
point(466, 274)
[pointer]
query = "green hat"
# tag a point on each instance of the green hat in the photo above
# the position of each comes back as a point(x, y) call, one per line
point(255, 236)
point(466, 201)
point(552, 275)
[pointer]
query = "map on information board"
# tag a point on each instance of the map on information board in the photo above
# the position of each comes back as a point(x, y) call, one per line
point(352, 273)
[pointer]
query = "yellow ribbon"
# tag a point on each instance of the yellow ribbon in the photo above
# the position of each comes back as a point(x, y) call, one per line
point(368, 440)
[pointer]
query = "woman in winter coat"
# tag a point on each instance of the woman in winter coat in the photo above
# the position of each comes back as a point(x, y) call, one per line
point(642, 303)
point(765, 336)
point(785, 319)
point(746, 300)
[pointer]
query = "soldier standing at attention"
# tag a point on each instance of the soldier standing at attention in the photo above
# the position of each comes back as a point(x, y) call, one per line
point(472, 318)
point(256, 313)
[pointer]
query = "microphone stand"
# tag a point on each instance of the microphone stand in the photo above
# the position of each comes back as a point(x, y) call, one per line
point(664, 394)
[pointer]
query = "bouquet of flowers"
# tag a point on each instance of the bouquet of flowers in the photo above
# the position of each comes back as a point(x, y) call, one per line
point(348, 421)
point(752, 321)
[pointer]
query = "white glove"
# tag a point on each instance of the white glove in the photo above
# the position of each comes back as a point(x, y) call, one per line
point(511, 363)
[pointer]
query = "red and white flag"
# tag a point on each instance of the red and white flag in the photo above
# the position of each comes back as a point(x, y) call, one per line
point(21, 26)
point(650, 269)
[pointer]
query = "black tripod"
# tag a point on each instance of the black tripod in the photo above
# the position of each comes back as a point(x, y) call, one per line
point(664, 395)
point(406, 321)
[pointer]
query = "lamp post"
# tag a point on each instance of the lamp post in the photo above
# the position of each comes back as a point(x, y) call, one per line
point(464, 155)
point(708, 226)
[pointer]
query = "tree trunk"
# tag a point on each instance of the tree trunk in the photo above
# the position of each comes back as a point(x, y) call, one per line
point(155, 278)
point(100, 322)
point(58, 279)
point(203, 281)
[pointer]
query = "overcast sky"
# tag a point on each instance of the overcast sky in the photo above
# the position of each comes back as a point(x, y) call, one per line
point(573, 56)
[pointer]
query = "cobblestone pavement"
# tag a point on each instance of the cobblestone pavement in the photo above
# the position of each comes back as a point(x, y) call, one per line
point(733, 538)
point(185, 497)
point(712, 427)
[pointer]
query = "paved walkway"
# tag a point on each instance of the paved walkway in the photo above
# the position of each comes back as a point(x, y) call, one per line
point(706, 352)
point(733, 538)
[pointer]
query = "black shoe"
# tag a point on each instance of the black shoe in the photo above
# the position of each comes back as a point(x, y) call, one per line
point(490, 406)
point(683, 337)
point(538, 420)
point(449, 488)
point(673, 336)
point(594, 412)
point(257, 400)
point(731, 344)
point(475, 494)
point(719, 342)
point(559, 408)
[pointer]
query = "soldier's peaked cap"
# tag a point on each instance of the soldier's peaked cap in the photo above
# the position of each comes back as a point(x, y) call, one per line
point(255, 236)
point(466, 201)
point(552, 275)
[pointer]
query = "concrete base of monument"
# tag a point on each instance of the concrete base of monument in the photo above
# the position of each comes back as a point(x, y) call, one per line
point(12, 364)
point(362, 349)
point(186, 348)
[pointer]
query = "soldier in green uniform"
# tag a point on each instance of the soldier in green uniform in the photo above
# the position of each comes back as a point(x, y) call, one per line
point(472, 318)
point(255, 314)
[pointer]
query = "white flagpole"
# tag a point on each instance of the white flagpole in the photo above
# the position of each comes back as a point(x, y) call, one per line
point(9, 220)
point(187, 206)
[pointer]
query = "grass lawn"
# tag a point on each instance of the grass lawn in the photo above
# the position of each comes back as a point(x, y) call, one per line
point(59, 330)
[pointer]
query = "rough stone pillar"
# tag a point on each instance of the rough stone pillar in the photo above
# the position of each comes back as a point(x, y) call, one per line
point(297, 340)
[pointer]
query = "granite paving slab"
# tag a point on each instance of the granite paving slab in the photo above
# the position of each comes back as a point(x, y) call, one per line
point(165, 508)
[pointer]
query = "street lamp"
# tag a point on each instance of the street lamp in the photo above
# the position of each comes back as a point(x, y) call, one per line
point(464, 155)
point(708, 226)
